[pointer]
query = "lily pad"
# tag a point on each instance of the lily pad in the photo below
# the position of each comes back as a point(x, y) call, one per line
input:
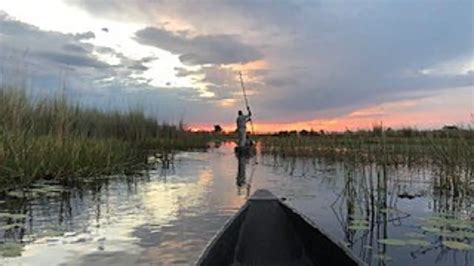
point(359, 221)
point(16, 194)
point(418, 242)
point(431, 229)
point(457, 245)
point(358, 227)
point(13, 216)
point(392, 242)
point(11, 249)
point(457, 234)
point(447, 222)
point(48, 189)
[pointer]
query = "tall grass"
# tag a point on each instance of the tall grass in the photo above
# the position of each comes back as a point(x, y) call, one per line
point(450, 151)
point(53, 138)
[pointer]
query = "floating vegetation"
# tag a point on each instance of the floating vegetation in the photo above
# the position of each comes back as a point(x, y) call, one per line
point(437, 221)
point(415, 235)
point(418, 242)
point(449, 227)
point(406, 242)
point(457, 245)
point(11, 226)
point(16, 193)
point(45, 190)
point(14, 216)
point(48, 189)
point(392, 242)
point(457, 234)
point(356, 217)
point(359, 225)
point(11, 249)
point(430, 229)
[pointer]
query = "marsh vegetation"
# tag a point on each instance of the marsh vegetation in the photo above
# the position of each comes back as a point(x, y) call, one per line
point(384, 173)
point(53, 138)
point(450, 151)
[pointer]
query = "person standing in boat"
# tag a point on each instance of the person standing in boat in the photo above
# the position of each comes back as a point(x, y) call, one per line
point(242, 126)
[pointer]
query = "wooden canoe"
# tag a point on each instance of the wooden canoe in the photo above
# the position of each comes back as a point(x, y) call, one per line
point(266, 231)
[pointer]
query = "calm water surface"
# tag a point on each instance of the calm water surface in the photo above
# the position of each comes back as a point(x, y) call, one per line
point(168, 215)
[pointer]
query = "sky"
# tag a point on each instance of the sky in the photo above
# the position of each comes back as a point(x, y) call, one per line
point(331, 65)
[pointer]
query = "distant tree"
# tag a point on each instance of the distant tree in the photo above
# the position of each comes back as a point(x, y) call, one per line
point(217, 129)
point(377, 129)
point(304, 133)
point(450, 127)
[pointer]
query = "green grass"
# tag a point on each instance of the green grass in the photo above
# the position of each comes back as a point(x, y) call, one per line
point(53, 138)
point(390, 148)
point(450, 152)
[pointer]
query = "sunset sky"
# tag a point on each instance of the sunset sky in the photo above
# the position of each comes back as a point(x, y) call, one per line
point(307, 64)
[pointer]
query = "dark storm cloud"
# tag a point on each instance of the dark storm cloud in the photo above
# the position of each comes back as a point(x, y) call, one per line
point(324, 56)
point(201, 49)
point(74, 48)
point(72, 60)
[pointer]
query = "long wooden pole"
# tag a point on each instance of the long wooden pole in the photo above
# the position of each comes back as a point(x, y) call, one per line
point(246, 100)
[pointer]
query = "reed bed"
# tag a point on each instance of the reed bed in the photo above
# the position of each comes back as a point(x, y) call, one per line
point(451, 151)
point(55, 139)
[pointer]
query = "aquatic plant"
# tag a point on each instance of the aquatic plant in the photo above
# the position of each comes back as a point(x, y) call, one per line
point(54, 138)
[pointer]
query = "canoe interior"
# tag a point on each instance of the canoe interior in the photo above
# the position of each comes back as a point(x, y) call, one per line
point(267, 232)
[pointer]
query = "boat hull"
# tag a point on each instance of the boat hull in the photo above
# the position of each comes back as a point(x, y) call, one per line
point(268, 232)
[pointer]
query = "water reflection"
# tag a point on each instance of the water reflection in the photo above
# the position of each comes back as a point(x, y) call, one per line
point(396, 216)
point(241, 172)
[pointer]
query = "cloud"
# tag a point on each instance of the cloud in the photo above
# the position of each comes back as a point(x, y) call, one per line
point(323, 59)
point(45, 58)
point(201, 49)
point(43, 49)
point(72, 60)
point(74, 48)
point(84, 36)
point(48, 60)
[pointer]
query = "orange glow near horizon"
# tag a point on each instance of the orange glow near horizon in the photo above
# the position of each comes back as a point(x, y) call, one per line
point(430, 112)
point(421, 120)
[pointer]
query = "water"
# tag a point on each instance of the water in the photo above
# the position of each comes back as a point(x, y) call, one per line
point(168, 215)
